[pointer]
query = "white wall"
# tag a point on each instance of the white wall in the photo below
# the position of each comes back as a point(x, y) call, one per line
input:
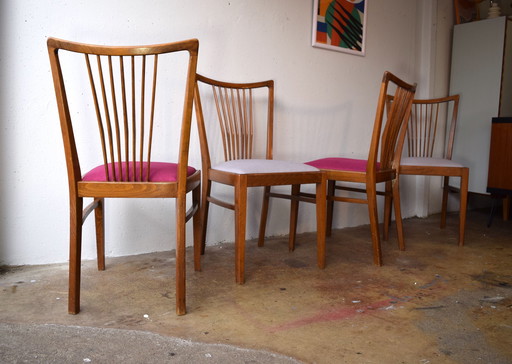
point(435, 29)
point(325, 104)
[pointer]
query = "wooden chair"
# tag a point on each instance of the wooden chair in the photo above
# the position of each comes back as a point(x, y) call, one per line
point(422, 130)
point(130, 101)
point(235, 107)
point(381, 165)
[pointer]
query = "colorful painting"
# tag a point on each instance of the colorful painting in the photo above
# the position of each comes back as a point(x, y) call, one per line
point(340, 25)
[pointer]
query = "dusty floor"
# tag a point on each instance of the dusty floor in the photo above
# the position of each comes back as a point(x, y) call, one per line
point(433, 303)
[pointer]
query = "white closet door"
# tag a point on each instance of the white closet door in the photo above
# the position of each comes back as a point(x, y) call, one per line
point(477, 58)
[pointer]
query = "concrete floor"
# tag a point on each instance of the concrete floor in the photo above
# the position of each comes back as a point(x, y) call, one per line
point(433, 303)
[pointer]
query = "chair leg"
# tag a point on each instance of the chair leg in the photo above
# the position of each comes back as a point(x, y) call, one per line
point(331, 190)
point(99, 219)
point(240, 224)
point(294, 213)
point(180, 255)
point(320, 223)
point(444, 204)
point(264, 215)
point(197, 228)
point(388, 200)
point(506, 208)
point(75, 254)
point(206, 187)
point(464, 181)
point(398, 213)
point(371, 192)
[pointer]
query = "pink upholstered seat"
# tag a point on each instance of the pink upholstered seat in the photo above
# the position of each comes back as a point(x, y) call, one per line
point(341, 164)
point(159, 172)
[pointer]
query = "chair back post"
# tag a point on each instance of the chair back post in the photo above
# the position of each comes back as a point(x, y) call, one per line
point(453, 125)
point(186, 123)
point(396, 124)
point(270, 121)
point(203, 139)
point(371, 167)
point(401, 137)
point(70, 150)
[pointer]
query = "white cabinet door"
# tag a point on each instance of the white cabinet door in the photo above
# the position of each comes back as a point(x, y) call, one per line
point(477, 59)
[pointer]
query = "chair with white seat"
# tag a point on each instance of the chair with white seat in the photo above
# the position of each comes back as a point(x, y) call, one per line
point(422, 130)
point(235, 110)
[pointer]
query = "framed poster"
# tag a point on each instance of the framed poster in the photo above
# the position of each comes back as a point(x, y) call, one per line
point(340, 25)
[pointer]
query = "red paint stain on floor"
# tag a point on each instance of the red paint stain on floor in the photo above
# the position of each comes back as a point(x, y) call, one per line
point(342, 313)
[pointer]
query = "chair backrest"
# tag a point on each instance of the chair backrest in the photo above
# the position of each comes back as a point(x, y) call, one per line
point(235, 107)
point(126, 94)
point(396, 119)
point(427, 117)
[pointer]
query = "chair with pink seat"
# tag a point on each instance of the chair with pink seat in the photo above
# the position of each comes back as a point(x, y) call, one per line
point(380, 166)
point(114, 105)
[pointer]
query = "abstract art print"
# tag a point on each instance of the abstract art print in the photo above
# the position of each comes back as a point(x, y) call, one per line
point(339, 25)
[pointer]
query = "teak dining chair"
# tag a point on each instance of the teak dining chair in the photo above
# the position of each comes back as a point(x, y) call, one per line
point(127, 105)
point(423, 135)
point(234, 116)
point(381, 165)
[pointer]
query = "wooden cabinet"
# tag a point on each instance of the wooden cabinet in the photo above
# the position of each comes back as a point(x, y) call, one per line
point(499, 179)
point(481, 72)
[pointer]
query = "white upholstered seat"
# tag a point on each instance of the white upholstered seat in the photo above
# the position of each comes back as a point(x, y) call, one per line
point(429, 162)
point(249, 166)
